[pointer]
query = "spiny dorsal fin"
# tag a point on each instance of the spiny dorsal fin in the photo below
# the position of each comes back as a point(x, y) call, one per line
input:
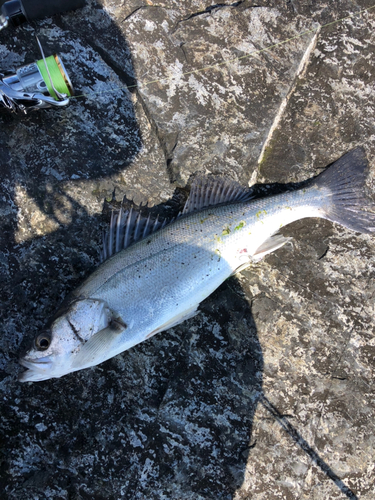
point(129, 226)
point(208, 191)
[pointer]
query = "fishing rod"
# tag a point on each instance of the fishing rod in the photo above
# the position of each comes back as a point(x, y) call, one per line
point(16, 12)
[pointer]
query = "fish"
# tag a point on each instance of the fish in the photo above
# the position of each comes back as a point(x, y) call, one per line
point(155, 274)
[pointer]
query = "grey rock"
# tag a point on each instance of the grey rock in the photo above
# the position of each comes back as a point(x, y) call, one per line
point(269, 392)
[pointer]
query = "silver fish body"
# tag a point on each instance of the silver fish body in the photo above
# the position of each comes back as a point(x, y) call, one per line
point(160, 281)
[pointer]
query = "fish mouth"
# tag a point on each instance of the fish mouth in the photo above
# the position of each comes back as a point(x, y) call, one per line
point(38, 370)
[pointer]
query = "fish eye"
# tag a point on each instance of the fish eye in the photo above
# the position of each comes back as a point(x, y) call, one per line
point(42, 342)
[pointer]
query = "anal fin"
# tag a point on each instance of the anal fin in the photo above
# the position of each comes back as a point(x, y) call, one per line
point(270, 245)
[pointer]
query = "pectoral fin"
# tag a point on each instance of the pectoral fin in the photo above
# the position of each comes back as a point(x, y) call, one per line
point(99, 347)
point(176, 320)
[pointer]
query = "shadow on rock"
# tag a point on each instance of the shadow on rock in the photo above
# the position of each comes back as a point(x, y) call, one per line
point(172, 416)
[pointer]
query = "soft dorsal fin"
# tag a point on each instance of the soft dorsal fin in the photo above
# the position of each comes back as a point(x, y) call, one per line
point(129, 226)
point(208, 191)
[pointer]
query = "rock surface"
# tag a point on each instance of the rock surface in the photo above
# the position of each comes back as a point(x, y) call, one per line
point(269, 392)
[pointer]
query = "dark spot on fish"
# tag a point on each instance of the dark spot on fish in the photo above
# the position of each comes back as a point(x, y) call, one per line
point(117, 324)
point(75, 331)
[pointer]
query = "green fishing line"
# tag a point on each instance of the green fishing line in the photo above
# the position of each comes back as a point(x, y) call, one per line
point(56, 76)
point(223, 63)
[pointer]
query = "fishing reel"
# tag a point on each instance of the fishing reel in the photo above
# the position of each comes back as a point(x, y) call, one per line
point(39, 85)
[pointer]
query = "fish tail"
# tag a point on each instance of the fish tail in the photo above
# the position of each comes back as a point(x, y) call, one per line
point(343, 187)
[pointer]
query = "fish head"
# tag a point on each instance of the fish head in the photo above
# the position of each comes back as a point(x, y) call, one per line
point(54, 349)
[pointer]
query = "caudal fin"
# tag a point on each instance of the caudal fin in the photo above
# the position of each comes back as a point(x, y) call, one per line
point(347, 203)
